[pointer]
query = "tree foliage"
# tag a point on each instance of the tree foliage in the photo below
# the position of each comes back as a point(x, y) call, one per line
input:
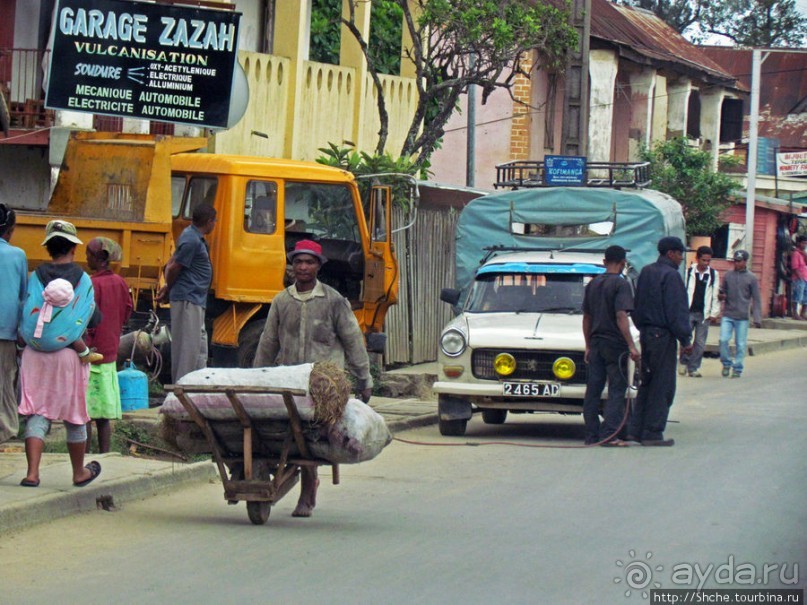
point(364, 164)
point(457, 43)
point(743, 22)
point(686, 174)
point(757, 22)
point(385, 33)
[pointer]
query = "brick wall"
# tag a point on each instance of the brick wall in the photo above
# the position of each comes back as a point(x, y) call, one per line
point(520, 124)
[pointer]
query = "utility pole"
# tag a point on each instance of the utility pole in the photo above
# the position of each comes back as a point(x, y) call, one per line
point(470, 143)
point(753, 131)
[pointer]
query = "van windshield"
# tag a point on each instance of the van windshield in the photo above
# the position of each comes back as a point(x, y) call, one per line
point(528, 293)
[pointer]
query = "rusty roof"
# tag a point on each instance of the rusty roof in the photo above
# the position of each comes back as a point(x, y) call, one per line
point(644, 38)
point(782, 93)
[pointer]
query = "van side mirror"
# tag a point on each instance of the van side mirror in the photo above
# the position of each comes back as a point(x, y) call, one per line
point(450, 296)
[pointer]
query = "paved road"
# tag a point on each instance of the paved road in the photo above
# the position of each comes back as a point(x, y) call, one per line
point(462, 524)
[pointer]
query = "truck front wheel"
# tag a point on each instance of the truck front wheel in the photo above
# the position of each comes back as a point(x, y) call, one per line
point(248, 343)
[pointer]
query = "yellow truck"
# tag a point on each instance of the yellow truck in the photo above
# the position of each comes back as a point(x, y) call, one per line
point(140, 190)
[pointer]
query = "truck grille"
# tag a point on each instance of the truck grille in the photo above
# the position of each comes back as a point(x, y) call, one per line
point(530, 365)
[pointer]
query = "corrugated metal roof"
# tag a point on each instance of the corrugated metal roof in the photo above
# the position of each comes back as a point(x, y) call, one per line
point(640, 33)
point(782, 94)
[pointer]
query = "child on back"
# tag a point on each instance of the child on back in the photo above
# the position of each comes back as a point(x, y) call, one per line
point(113, 299)
point(59, 293)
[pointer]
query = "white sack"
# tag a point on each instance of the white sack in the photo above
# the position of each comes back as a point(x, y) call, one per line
point(360, 435)
point(216, 406)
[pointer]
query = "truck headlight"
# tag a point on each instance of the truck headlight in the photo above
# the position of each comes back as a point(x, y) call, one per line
point(452, 343)
point(563, 368)
point(504, 364)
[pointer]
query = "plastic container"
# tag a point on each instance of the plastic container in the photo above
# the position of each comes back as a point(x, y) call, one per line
point(134, 388)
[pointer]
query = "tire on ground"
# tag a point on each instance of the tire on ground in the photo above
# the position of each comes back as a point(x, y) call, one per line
point(248, 343)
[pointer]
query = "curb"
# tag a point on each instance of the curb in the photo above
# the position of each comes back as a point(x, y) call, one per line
point(26, 513)
point(760, 347)
point(411, 423)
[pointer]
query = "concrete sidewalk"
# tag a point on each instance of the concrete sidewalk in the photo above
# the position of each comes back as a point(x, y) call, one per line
point(125, 478)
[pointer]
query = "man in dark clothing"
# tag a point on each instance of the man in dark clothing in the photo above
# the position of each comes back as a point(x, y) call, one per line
point(606, 328)
point(662, 315)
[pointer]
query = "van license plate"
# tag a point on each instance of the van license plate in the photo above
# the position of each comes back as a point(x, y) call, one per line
point(531, 389)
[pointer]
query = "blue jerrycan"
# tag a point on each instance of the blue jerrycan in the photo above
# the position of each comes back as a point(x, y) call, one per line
point(134, 388)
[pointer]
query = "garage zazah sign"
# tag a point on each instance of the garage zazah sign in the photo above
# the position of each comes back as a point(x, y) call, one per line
point(162, 62)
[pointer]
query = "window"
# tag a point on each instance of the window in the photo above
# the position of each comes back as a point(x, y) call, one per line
point(598, 229)
point(260, 207)
point(187, 194)
point(324, 211)
point(528, 293)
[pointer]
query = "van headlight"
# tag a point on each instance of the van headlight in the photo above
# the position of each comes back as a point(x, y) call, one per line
point(452, 343)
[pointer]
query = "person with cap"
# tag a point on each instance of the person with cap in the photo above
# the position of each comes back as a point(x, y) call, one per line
point(113, 299)
point(188, 275)
point(661, 312)
point(309, 322)
point(738, 290)
point(606, 328)
point(703, 284)
point(53, 381)
point(798, 266)
point(14, 277)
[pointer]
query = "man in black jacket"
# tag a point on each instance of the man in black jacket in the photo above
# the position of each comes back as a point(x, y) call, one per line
point(662, 315)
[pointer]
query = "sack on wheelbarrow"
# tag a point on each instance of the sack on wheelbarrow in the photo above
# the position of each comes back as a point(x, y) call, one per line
point(358, 436)
point(326, 388)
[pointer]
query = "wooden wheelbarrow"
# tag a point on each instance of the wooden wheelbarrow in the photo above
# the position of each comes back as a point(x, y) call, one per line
point(260, 480)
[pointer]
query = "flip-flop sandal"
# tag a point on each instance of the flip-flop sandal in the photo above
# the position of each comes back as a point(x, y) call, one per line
point(95, 470)
point(29, 483)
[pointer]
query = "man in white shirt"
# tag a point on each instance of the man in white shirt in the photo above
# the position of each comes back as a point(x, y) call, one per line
point(702, 289)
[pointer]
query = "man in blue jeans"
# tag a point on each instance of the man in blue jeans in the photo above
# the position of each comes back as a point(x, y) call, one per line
point(739, 289)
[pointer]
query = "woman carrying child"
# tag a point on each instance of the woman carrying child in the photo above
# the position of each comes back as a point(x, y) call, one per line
point(53, 379)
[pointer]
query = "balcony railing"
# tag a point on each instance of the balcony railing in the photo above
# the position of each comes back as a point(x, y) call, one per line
point(21, 79)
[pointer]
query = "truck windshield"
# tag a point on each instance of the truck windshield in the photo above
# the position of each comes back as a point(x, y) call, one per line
point(528, 293)
point(324, 210)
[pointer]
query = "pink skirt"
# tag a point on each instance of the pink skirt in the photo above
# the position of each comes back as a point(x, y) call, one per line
point(54, 385)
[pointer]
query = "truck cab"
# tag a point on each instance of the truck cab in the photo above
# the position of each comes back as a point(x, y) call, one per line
point(265, 206)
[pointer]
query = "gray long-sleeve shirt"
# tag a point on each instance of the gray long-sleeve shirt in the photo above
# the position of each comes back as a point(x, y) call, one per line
point(319, 328)
point(741, 288)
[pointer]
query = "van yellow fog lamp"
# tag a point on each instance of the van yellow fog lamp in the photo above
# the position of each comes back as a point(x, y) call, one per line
point(504, 364)
point(564, 368)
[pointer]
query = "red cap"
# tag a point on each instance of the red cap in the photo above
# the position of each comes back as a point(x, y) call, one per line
point(307, 246)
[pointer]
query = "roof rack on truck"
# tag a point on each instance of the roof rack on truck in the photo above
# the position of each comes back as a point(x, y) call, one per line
point(530, 173)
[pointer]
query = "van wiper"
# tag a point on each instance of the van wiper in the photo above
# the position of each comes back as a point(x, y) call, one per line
point(569, 310)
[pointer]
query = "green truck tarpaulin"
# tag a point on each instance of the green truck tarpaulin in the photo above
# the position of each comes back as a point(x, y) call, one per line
point(640, 217)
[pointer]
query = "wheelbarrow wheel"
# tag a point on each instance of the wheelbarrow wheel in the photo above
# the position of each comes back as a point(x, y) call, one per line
point(258, 512)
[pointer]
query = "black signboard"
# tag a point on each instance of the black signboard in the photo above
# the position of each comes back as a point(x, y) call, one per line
point(169, 63)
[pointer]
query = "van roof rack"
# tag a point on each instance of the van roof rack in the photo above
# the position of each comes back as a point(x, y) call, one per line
point(529, 173)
